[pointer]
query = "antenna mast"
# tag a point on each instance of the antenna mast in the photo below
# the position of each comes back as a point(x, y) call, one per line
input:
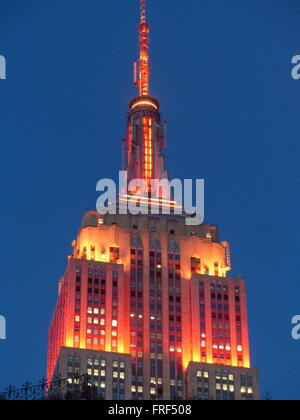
point(141, 68)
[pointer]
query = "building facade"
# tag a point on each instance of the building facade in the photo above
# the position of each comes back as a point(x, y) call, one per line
point(150, 292)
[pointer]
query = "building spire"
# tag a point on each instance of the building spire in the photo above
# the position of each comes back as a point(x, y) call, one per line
point(145, 139)
point(141, 68)
point(143, 11)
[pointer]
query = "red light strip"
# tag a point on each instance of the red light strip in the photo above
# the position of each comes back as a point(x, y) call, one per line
point(148, 151)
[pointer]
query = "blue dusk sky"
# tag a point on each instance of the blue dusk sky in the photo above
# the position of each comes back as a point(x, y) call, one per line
point(222, 71)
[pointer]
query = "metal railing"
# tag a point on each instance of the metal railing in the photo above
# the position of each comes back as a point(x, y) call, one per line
point(77, 388)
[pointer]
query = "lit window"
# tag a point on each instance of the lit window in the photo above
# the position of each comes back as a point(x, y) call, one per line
point(140, 389)
point(206, 375)
point(152, 391)
point(239, 348)
point(114, 333)
point(102, 385)
point(199, 374)
point(122, 375)
point(77, 318)
point(133, 389)
point(114, 323)
point(250, 390)
point(231, 388)
point(115, 375)
point(96, 311)
point(103, 373)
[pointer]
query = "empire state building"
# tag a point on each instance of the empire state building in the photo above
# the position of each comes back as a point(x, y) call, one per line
point(145, 308)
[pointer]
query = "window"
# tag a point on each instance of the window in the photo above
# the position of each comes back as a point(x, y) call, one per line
point(114, 254)
point(196, 265)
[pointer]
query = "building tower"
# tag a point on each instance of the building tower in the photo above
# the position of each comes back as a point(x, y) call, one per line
point(145, 307)
point(145, 135)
